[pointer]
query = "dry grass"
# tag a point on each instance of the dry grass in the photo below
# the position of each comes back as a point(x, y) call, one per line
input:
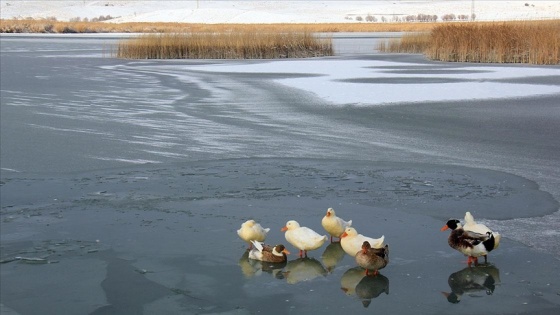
point(230, 45)
point(408, 43)
point(47, 26)
point(533, 42)
point(507, 42)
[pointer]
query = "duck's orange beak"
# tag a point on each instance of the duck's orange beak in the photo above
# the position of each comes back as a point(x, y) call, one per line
point(285, 251)
point(284, 229)
point(344, 235)
point(328, 214)
point(445, 227)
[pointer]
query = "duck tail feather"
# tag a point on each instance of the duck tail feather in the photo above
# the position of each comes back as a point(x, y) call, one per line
point(469, 219)
point(257, 245)
point(497, 238)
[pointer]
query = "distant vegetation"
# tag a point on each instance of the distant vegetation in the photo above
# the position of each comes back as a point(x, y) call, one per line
point(229, 45)
point(536, 42)
point(81, 26)
point(369, 23)
point(533, 42)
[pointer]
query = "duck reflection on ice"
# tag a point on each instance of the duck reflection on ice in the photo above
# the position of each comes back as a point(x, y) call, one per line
point(371, 287)
point(472, 280)
point(332, 255)
point(303, 269)
point(350, 280)
point(252, 267)
point(366, 288)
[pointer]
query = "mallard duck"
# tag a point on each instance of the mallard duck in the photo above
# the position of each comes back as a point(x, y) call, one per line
point(372, 258)
point(276, 254)
point(252, 231)
point(469, 243)
point(471, 225)
point(352, 242)
point(334, 225)
point(303, 238)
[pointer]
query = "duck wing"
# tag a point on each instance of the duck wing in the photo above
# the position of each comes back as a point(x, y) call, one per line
point(471, 225)
point(307, 237)
point(473, 238)
point(381, 252)
point(375, 242)
point(343, 223)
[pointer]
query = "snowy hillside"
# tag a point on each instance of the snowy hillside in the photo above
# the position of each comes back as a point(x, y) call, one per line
point(279, 11)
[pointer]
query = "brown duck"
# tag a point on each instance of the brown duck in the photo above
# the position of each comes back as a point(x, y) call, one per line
point(372, 258)
point(266, 253)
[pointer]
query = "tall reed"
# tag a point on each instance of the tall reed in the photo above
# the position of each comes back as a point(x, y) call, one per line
point(409, 43)
point(229, 45)
point(506, 42)
point(519, 42)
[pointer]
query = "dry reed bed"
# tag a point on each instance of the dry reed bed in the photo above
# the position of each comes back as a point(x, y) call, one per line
point(230, 45)
point(506, 42)
point(47, 26)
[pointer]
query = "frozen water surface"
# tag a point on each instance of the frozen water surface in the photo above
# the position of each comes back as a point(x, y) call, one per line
point(123, 182)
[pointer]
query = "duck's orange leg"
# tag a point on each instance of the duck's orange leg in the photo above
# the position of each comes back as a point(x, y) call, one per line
point(472, 260)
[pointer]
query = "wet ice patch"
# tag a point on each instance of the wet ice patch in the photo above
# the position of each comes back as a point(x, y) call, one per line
point(50, 251)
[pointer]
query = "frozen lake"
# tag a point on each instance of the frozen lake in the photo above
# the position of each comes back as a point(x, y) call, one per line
point(140, 171)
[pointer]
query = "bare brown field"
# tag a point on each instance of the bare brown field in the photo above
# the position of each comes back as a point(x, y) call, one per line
point(47, 26)
point(536, 42)
point(230, 45)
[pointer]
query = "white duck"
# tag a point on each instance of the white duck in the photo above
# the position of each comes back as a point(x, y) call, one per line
point(252, 231)
point(303, 238)
point(352, 242)
point(471, 225)
point(334, 225)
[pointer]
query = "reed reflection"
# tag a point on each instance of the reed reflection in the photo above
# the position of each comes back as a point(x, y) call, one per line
point(471, 281)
